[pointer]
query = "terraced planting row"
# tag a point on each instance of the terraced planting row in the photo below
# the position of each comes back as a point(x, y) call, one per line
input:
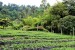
point(29, 40)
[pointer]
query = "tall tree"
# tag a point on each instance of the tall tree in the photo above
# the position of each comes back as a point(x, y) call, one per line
point(43, 4)
point(68, 24)
point(1, 3)
point(60, 9)
point(70, 5)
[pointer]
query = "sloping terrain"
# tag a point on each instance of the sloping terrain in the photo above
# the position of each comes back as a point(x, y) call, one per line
point(35, 40)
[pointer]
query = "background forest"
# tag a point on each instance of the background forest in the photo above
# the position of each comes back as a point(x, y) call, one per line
point(59, 18)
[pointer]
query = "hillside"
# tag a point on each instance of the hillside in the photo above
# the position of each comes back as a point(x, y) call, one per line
point(35, 40)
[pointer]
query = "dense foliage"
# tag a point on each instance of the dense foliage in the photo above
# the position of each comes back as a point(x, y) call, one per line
point(59, 18)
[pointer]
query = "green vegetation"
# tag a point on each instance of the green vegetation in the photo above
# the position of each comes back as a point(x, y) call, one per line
point(64, 48)
point(59, 18)
point(38, 28)
point(23, 40)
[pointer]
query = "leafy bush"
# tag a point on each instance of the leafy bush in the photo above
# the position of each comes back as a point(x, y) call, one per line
point(17, 24)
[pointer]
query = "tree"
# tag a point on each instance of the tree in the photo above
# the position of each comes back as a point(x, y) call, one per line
point(17, 24)
point(43, 4)
point(50, 20)
point(70, 5)
point(28, 21)
point(68, 24)
point(59, 9)
point(4, 22)
point(1, 3)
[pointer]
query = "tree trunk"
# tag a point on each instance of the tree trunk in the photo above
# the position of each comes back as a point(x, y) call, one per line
point(73, 31)
point(3, 27)
point(51, 28)
point(61, 31)
point(37, 27)
point(70, 33)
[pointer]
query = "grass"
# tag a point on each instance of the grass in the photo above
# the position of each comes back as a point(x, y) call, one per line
point(35, 40)
point(64, 48)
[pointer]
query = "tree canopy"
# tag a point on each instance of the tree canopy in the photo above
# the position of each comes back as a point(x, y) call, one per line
point(59, 18)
